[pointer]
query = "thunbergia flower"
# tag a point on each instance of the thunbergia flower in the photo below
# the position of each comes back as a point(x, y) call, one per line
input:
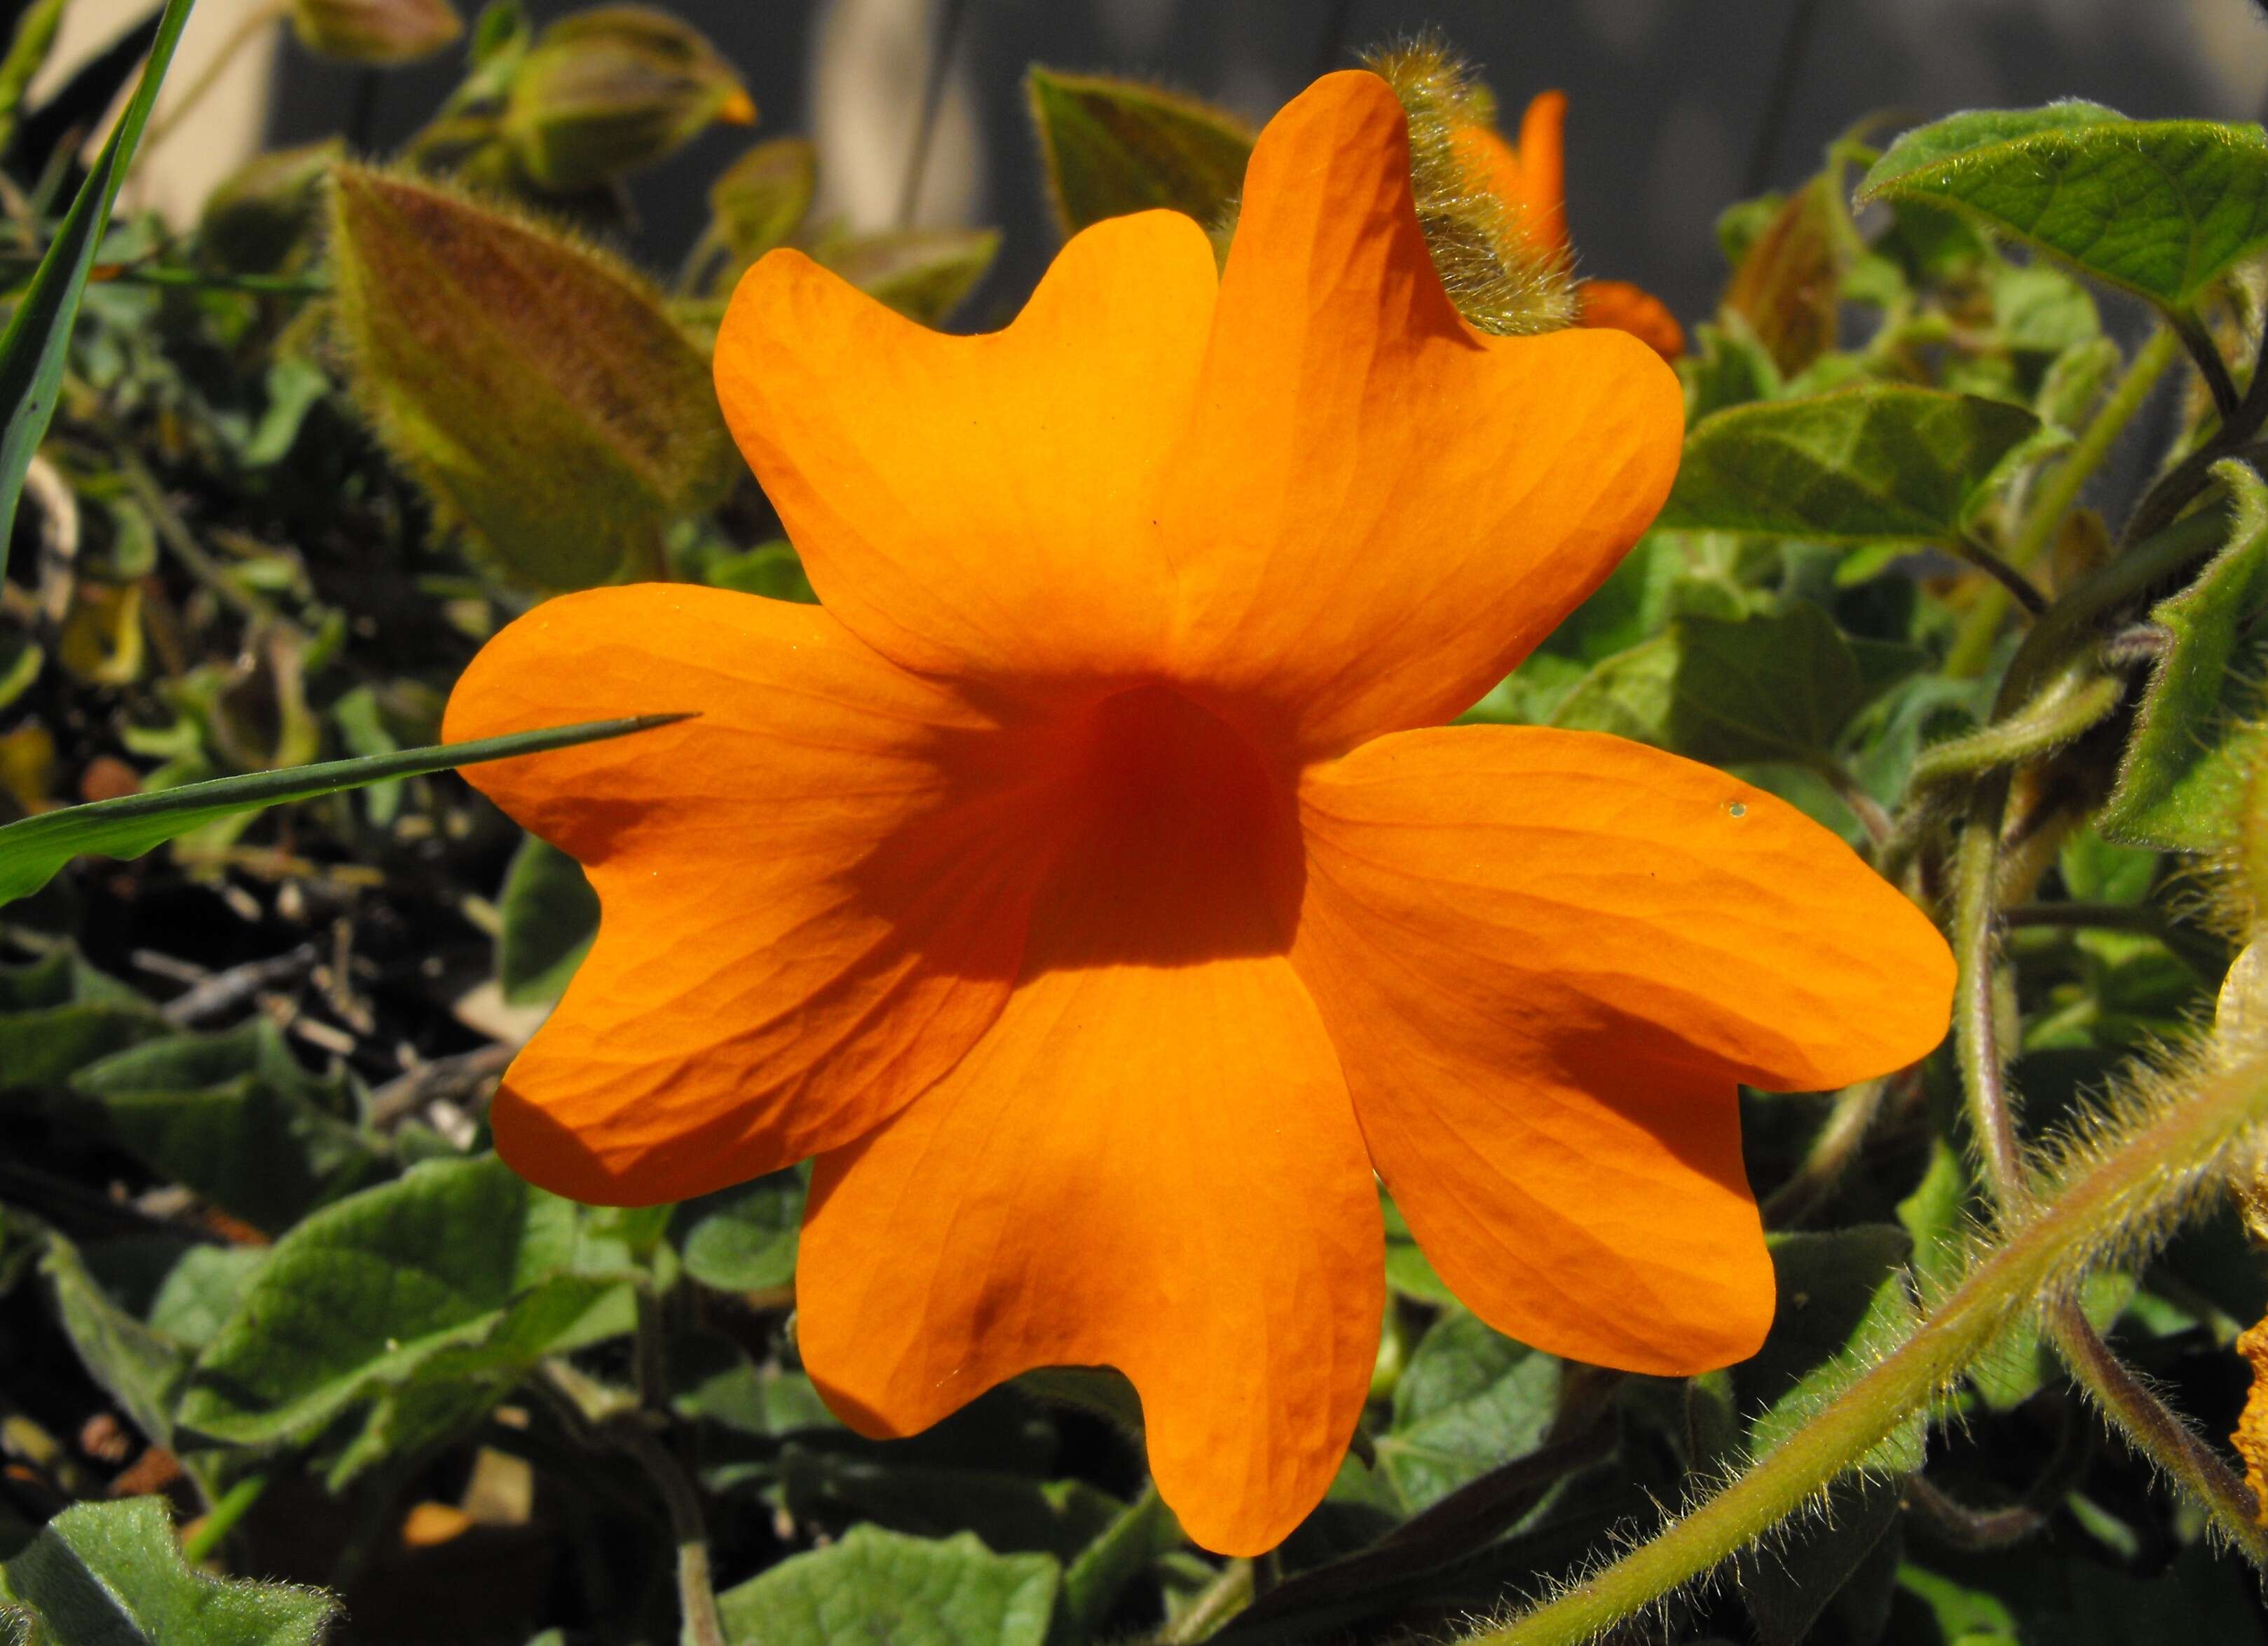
point(1530, 176)
point(1091, 884)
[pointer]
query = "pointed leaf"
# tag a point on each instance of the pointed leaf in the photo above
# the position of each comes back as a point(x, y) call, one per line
point(1470, 1399)
point(2183, 782)
point(2159, 207)
point(1115, 146)
point(460, 1258)
point(1884, 463)
point(1787, 284)
point(38, 335)
point(32, 850)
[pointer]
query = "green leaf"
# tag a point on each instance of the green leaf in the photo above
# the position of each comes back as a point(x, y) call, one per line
point(1884, 463)
point(234, 1118)
point(742, 1239)
point(58, 1013)
point(2183, 781)
point(1843, 1302)
point(1768, 687)
point(38, 336)
point(138, 1366)
point(1145, 1531)
point(1407, 1269)
point(922, 273)
point(461, 1270)
point(2158, 207)
point(1470, 1399)
point(34, 850)
point(2043, 311)
point(877, 1588)
point(549, 917)
point(112, 1575)
point(1112, 146)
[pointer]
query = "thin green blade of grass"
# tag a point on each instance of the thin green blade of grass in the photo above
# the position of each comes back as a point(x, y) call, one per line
point(38, 334)
point(33, 850)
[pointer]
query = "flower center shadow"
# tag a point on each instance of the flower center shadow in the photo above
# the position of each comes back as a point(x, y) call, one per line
point(1184, 848)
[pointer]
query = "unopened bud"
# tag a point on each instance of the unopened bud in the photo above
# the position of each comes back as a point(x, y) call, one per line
point(262, 213)
point(762, 197)
point(376, 30)
point(538, 389)
point(607, 91)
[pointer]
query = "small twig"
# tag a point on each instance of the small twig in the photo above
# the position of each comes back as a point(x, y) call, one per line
point(224, 990)
point(450, 1078)
point(1875, 821)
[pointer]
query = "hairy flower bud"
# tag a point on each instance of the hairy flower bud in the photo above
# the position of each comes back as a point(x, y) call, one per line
point(607, 91)
point(537, 387)
point(376, 30)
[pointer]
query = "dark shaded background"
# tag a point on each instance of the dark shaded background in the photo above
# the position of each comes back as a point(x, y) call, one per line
point(1673, 112)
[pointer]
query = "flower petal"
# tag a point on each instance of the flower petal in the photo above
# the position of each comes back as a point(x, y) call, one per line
point(1633, 309)
point(1545, 958)
point(1379, 510)
point(1531, 179)
point(1146, 1163)
point(811, 901)
point(983, 508)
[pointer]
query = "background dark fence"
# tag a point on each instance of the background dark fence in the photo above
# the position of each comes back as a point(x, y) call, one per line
point(1675, 110)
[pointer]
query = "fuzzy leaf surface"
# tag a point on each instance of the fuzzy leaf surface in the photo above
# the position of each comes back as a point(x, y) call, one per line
point(1880, 462)
point(2159, 207)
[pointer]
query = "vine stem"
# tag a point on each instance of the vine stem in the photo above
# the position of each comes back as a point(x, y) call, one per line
point(1219, 1601)
point(1976, 1029)
point(2154, 1428)
point(2151, 1160)
point(2061, 489)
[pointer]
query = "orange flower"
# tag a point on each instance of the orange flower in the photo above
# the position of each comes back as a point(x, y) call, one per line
point(1531, 178)
point(1091, 884)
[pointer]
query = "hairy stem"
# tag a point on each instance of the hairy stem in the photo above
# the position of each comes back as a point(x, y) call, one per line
point(2156, 1431)
point(1976, 1028)
point(2059, 711)
point(2151, 1161)
point(1219, 1601)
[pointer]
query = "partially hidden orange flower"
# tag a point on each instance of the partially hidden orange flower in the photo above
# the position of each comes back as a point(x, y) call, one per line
point(1091, 884)
point(1531, 178)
